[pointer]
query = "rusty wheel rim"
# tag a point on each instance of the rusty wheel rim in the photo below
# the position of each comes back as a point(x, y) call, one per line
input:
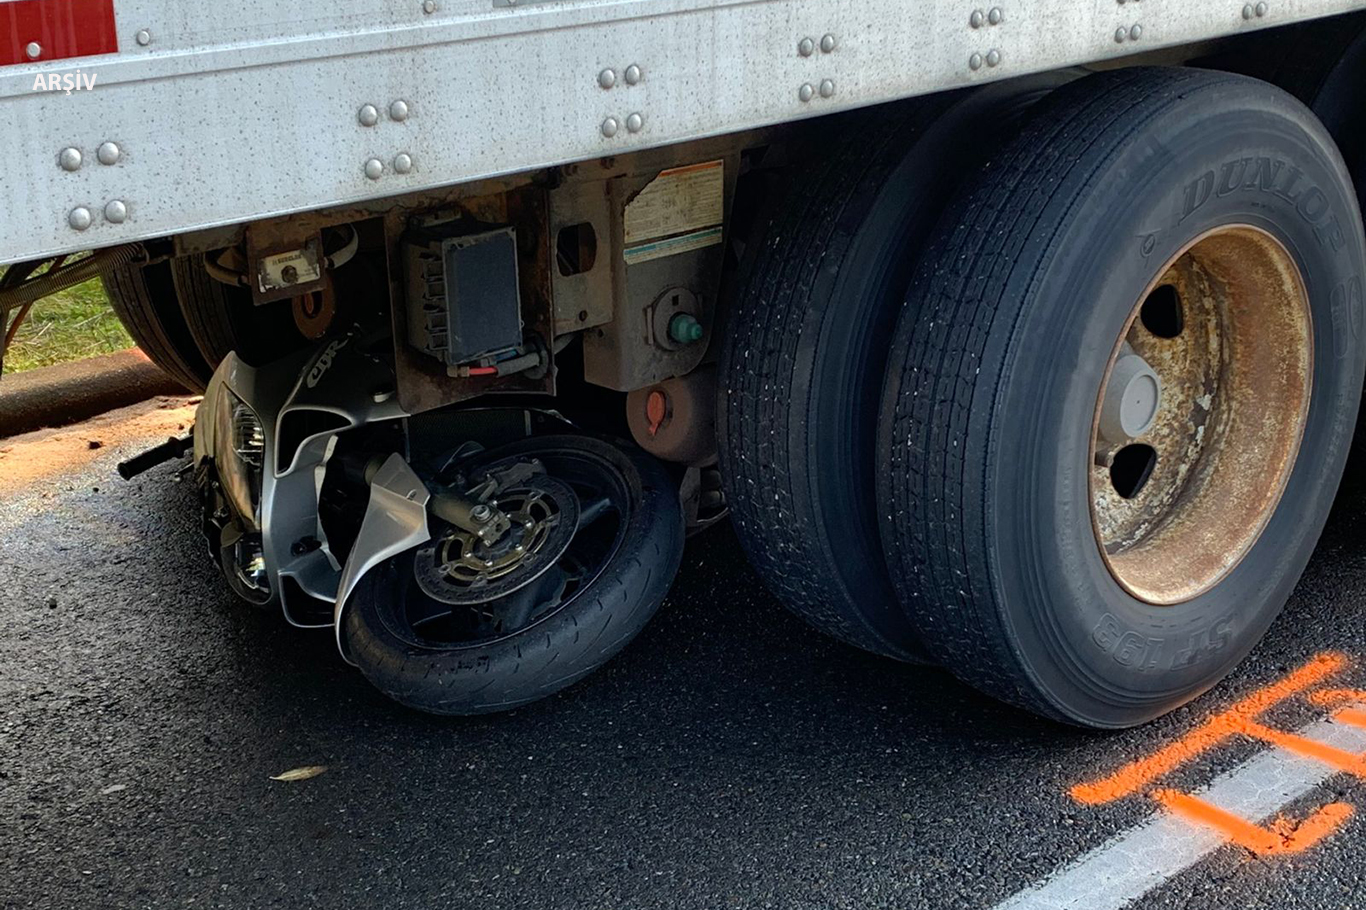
point(1200, 415)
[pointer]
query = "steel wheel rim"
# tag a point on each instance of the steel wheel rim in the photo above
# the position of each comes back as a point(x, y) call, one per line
point(1177, 507)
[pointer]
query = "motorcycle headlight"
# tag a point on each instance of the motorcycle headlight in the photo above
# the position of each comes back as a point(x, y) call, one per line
point(240, 440)
point(248, 437)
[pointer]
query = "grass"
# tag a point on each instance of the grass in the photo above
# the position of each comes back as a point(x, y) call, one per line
point(72, 325)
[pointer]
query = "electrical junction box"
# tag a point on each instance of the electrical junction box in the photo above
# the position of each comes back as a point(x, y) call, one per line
point(461, 292)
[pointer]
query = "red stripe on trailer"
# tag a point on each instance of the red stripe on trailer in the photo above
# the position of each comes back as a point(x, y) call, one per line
point(60, 28)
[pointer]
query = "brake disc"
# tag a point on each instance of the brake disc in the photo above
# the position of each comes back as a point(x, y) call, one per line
point(459, 568)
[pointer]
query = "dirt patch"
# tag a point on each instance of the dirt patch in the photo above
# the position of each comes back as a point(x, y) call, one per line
point(42, 454)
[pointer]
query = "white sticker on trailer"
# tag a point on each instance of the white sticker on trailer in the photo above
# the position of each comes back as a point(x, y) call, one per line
point(682, 200)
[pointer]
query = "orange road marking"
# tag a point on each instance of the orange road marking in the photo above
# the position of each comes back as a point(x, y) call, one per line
point(1284, 836)
point(1336, 758)
point(1334, 696)
point(1169, 841)
point(1329, 697)
point(1137, 775)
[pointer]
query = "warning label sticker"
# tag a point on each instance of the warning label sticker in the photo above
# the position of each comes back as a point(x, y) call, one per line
point(683, 200)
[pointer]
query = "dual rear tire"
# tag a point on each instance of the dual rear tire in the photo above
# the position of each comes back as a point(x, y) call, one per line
point(145, 300)
point(1016, 559)
point(187, 322)
point(807, 341)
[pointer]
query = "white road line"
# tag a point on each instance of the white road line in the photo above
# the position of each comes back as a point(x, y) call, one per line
point(1129, 865)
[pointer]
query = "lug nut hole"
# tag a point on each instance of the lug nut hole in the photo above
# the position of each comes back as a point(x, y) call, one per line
point(1161, 312)
point(1132, 467)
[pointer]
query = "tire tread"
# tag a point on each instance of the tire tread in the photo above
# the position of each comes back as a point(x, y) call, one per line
point(940, 381)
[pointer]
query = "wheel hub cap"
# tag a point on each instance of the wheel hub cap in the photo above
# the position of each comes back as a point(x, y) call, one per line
point(1132, 398)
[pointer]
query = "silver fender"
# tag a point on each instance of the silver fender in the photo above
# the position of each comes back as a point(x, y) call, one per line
point(395, 520)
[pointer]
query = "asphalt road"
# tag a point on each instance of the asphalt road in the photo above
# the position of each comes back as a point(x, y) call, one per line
point(729, 758)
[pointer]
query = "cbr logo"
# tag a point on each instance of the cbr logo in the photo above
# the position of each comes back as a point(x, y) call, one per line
point(324, 363)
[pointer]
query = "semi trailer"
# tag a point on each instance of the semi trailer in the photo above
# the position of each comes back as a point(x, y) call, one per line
point(1024, 339)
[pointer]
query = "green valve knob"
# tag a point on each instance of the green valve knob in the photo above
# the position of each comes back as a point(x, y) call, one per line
point(685, 329)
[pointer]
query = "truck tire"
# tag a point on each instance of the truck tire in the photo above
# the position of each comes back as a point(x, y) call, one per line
point(1096, 557)
point(222, 318)
point(144, 299)
point(804, 351)
point(557, 646)
point(1323, 64)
